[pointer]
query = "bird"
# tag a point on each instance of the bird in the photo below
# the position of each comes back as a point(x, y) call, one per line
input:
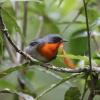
point(45, 49)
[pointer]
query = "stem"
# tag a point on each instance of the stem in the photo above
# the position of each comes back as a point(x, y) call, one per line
point(85, 88)
point(11, 51)
point(60, 2)
point(88, 33)
point(40, 29)
point(25, 23)
point(91, 96)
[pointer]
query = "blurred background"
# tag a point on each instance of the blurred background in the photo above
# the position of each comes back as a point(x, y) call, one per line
point(27, 20)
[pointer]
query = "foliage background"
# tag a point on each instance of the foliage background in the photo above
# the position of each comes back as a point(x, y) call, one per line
point(64, 17)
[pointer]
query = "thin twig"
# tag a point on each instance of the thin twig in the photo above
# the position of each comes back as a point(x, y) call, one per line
point(6, 91)
point(49, 73)
point(24, 95)
point(60, 2)
point(25, 23)
point(10, 50)
point(75, 18)
point(96, 43)
point(89, 35)
point(57, 84)
point(41, 27)
point(70, 22)
point(85, 88)
point(91, 95)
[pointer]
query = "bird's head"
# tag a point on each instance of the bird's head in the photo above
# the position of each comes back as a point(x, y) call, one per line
point(53, 38)
point(49, 45)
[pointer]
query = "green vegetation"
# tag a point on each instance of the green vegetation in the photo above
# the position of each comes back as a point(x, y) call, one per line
point(29, 20)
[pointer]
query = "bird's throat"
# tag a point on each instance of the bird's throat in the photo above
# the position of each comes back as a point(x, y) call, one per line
point(48, 50)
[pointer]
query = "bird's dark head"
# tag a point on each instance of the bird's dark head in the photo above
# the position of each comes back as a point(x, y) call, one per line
point(50, 38)
point(53, 38)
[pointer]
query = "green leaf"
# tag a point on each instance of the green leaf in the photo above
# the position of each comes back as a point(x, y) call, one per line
point(2, 1)
point(6, 84)
point(92, 15)
point(95, 82)
point(37, 7)
point(72, 94)
point(77, 57)
point(95, 24)
point(98, 85)
point(50, 26)
point(12, 69)
point(68, 6)
point(1, 47)
point(9, 18)
point(57, 84)
point(78, 43)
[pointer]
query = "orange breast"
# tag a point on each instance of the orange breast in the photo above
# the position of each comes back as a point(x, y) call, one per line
point(48, 50)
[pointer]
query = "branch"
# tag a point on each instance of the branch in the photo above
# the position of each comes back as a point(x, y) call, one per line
point(25, 96)
point(68, 70)
point(59, 69)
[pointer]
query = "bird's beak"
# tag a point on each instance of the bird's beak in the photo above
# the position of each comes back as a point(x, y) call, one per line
point(64, 40)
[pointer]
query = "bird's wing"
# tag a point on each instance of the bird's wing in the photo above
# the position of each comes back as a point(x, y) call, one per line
point(33, 43)
point(36, 42)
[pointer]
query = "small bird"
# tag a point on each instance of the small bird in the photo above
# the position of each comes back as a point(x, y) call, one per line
point(45, 49)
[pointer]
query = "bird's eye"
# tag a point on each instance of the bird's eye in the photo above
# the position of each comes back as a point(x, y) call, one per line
point(56, 39)
point(33, 43)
